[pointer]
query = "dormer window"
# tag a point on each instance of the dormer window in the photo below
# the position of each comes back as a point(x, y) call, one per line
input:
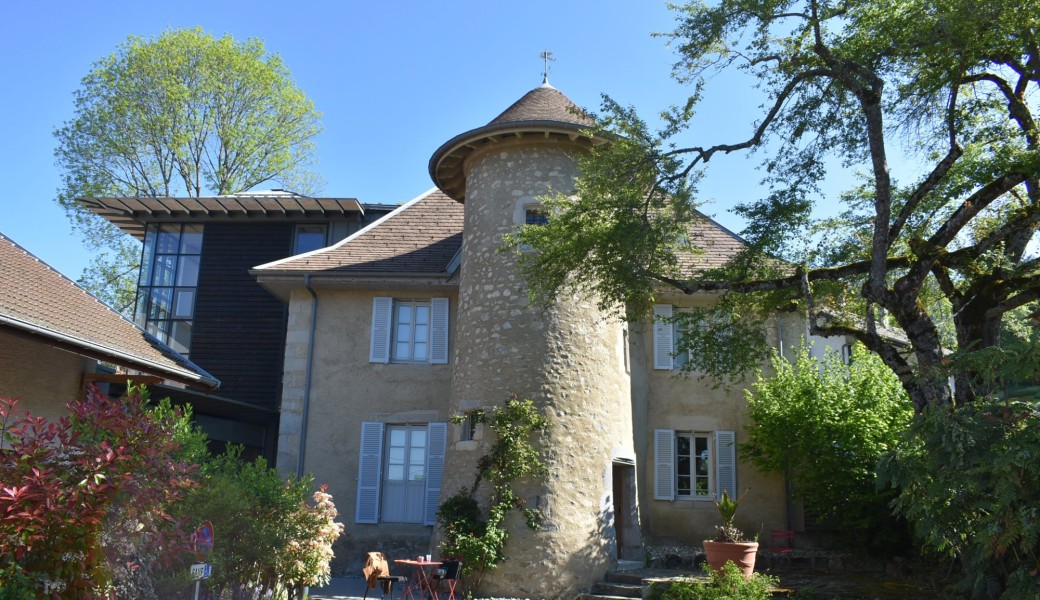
point(308, 238)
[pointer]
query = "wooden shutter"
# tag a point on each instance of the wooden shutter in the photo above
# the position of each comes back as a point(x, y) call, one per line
point(437, 440)
point(382, 320)
point(439, 331)
point(663, 337)
point(664, 464)
point(370, 470)
point(725, 463)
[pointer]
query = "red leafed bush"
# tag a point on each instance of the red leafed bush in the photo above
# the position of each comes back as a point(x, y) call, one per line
point(85, 500)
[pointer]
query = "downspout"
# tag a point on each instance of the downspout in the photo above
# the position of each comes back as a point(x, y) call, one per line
point(305, 413)
point(788, 508)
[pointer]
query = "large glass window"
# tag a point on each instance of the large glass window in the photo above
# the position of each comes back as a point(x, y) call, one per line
point(169, 278)
point(692, 465)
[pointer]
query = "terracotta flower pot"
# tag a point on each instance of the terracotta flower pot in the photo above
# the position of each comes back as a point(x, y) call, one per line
point(741, 553)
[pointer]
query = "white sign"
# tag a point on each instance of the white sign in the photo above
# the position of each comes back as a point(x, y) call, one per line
point(201, 571)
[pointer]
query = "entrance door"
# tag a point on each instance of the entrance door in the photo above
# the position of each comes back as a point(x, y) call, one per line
point(626, 513)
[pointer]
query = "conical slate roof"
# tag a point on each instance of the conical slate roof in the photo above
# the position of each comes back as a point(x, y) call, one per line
point(544, 103)
point(544, 111)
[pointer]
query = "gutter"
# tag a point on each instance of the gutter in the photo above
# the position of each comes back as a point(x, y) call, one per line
point(305, 413)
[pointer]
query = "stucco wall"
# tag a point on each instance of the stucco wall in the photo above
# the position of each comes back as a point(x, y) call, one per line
point(44, 379)
point(669, 400)
point(346, 389)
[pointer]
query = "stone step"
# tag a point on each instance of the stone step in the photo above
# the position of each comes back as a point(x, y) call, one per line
point(616, 589)
point(591, 596)
point(630, 577)
point(630, 565)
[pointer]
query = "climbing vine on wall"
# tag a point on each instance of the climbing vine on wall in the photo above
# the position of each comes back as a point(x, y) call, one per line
point(477, 537)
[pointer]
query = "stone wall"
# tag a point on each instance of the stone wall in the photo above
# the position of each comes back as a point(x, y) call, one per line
point(569, 359)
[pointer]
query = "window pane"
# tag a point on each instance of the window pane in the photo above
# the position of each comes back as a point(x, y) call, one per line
point(401, 351)
point(419, 351)
point(308, 238)
point(683, 465)
point(191, 239)
point(683, 486)
point(702, 486)
point(164, 269)
point(148, 255)
point(169, 241)
point(415, 473)
point(396, 456)
point(419, 438)
point(422, 314)
point(183, 303)
point(404, 313)
point(159, 307)
point(180, 338)
point(404, 333)
point(418, 456)
point(188, 273)
point(397, 437)
point(682, 445)
point(141, 311)
point(395, 472)
point(422, 333)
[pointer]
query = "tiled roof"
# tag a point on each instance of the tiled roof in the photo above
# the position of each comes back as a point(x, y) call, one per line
point(544, 103)
point(36, 299)
point(421, 237)
point(714, 246)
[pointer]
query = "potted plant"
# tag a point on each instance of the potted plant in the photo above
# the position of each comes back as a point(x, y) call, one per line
point(729, 543)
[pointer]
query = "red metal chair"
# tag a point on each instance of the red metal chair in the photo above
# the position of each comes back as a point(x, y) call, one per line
point(450, 570)
point(781, 543)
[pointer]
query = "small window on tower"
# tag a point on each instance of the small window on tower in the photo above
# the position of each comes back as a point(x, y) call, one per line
point(536, 216)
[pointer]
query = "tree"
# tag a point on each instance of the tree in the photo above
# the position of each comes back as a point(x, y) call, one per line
point(812, 419)
point(184, 113)
point(846, 82)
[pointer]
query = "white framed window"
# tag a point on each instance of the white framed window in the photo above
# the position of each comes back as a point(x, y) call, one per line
point(694, 465)
point(409, 330)
point(400, 472)
point(666, 340)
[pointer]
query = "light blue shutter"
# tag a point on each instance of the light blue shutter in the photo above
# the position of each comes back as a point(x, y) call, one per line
point(439, 331)
point(663, 337)
point(382, 318)
point(370, 469)
point(726, 463)
point(664, 464)
point(437, 440)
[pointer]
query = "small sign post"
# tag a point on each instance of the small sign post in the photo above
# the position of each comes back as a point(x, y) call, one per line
point(203, 538)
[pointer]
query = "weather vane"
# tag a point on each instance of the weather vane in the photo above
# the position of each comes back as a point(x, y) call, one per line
point(547, 57)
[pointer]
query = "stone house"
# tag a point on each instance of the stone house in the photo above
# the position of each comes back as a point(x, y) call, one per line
point(55, 339)
point(419, 317)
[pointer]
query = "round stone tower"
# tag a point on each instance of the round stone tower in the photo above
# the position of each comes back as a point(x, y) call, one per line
point(570, 359)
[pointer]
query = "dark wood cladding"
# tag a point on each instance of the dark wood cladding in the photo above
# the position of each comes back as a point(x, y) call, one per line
point(239, 330)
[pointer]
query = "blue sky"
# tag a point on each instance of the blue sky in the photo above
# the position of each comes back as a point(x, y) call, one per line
point(394, 80)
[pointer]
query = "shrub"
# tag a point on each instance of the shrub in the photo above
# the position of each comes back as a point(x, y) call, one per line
point(726, 584)
point(970, 480)
point(86, 500)
point(268, 538)
point(825, 426)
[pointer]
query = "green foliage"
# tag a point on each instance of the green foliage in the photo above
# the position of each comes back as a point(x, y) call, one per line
point(727, 507)
point(938, 255)
point(970, 479)
point(825, 426)
point(267, 537)
point(15, 584)
point(479, 539)
point(184, 113)
point(86, 501)
point(726, 584)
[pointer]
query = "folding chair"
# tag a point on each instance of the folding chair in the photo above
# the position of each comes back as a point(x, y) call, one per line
point(781, 543)
point(449, 571)
point(377, 572)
